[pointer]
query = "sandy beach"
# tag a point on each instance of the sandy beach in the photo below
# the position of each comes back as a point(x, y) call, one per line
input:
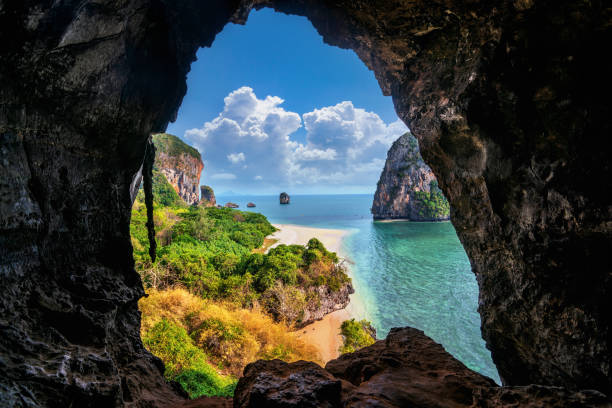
point(325, 333)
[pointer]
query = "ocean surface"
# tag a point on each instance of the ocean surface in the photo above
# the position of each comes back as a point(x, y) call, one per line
point(406, 273)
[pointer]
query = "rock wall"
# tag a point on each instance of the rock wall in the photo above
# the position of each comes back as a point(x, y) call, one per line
point(181, 164)
point(407, 188)
point(509, 101)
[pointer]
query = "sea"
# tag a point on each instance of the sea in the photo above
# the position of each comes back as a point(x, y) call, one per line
point(406, 273)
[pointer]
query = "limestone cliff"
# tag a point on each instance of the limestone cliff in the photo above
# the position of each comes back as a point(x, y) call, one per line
point(180, 163)
point(407, 188)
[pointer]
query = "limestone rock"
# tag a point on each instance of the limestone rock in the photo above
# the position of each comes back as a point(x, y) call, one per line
point(284, 198)
point(207, 196)
point(277, 384)
point(407, 369)
point(231, 205)
point(180, 163)
point(330, 301)
point(407, 188)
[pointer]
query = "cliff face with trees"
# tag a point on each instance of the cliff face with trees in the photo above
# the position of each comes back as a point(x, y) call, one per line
point(180, 163)
point(407, 188)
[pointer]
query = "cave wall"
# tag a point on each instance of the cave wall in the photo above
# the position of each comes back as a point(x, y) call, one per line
point(509, 101)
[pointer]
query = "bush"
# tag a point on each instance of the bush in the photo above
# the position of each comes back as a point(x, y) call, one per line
point(225, 336)
point(356, 335)
point(186, 363)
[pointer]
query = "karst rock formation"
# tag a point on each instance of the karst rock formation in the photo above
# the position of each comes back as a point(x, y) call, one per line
point(407, 188)
point(510, 103)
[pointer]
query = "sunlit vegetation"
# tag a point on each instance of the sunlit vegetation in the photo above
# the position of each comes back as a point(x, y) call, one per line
point(356, 335)
point(432, 204)
point(217, 300)
point(206, 344)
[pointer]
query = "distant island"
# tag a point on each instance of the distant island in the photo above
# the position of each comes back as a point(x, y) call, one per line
point(407, 188)
point(284, 198)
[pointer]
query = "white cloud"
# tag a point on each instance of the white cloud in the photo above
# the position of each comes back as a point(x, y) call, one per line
point(344, 145)
point(236, 157)
point(223, 176)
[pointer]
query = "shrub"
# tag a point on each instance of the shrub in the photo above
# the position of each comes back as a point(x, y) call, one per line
point(228, 337)
point(356, 335)
point(186, 363)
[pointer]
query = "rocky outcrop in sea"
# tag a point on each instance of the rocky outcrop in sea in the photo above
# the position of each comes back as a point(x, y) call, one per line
point(180, 163)
point(207, 196)
point(407, 188)
point(284, 198)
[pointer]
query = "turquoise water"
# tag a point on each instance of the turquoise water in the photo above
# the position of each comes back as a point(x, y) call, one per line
point(406, 273)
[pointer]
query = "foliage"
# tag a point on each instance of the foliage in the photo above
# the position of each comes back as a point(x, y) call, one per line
point(223, 335)
point(356, 335)
point(432, 204)
point(215, 297)
point(212, 253)
point(185, 362)
point(173, 146)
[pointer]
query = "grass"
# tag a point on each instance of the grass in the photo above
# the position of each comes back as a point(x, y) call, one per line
point(222, 335)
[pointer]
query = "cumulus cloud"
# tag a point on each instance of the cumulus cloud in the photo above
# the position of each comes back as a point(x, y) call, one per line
point(236, 157)
point(251, 139)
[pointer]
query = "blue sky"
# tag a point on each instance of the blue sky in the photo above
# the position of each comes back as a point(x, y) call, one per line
point(271, 107)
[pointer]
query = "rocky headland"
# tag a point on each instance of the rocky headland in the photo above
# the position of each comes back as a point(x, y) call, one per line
point(407, 188)
point(207, 196)
point(180, 163)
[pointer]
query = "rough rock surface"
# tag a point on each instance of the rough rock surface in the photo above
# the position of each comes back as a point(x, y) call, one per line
point(407, 369)
point(510, 102)
point(276, 384)
point(207, 196)
point(181, 164)
point(404, 182)
point(284, 198)
point(330, 301)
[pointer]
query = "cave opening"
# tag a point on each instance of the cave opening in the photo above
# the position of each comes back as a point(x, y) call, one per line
point(507, 100)
point(285, 117)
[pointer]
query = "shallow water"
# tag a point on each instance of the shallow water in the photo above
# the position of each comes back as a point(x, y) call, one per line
point(406, 273)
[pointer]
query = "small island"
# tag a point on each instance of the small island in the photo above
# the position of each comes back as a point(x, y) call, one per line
point(251, 205)
point(408, 189)
point(284, 198)
point(231, 205)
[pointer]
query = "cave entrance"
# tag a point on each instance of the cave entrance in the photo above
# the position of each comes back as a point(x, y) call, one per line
point(270, 108)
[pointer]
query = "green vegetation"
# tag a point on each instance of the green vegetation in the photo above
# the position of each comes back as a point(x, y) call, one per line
point(186, 363)
point(222, 335)
point(432, 205)
point(209, 251)
point(356, 335)
point(173, 146)
point(216, 300)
